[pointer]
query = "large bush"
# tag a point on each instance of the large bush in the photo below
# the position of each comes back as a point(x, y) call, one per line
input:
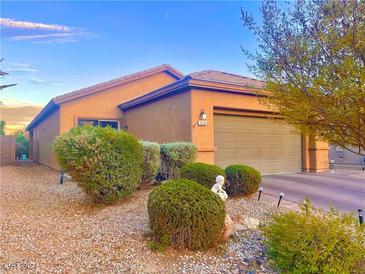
point(174, 156)
point(316, 242)
point(242, 180)
point(185, 214)
point(150, 163)
point(201, 173)
point(105, 162)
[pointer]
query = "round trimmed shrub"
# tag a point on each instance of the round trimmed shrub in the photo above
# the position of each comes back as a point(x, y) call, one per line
point(106, 163)
point(185, 214)
point(174, 156)
point(242, 180)
point(201, 173)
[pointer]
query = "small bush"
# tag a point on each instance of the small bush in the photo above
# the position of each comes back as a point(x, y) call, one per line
point(174, 156)
point(242, 180)
point(150, 163)
point(316, 242)
point(201, 173)
point(105, 162)
point(185, 214)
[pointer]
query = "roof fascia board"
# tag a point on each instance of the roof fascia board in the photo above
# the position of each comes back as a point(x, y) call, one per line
point(49, 108)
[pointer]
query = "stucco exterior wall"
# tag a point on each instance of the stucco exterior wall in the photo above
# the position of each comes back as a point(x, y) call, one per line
point(315, 154)
point(104, 105)
point(42, 138)
point(166, 120)
point(203, 100)
point(345, 157)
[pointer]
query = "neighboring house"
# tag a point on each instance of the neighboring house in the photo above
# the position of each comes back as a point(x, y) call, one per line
point(344, 157)
point(219, 112)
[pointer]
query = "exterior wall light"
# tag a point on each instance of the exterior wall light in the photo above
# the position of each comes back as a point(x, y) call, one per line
point(203, 116)
point(202, 119)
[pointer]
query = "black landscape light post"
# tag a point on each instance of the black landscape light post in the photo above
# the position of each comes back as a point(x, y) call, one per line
point(361, 216)
point(61, 177)
point(281, 195)
point(261, 189)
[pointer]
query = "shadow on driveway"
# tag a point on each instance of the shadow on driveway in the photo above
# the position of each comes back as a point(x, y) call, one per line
point(343, 189)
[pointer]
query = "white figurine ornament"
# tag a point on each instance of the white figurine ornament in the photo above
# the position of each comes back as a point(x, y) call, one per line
point(217, 188)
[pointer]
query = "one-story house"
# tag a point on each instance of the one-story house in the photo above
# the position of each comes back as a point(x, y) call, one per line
point(222, 113)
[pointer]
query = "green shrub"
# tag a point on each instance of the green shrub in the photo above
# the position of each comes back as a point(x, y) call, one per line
point(150, 163)
point(242, 180)
point(201, 173)
point(316, 242)
point(174, 156)
point(105, 162)
point(185, 214)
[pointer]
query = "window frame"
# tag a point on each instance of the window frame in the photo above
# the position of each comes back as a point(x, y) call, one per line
point(98, 120)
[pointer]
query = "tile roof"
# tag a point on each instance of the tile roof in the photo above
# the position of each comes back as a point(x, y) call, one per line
point(116, 82)
point(226, 78)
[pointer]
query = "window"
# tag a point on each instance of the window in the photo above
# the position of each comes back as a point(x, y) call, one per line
point(102, 123)
point(111, 123)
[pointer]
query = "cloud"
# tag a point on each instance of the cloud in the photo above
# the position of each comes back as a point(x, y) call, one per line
point(22, 69)
point(25, 31)
point(11, 23)
point(18, 116)
point(39, 81)
point(51, 37)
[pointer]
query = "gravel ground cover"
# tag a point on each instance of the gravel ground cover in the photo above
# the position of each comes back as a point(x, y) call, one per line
point(47, 227)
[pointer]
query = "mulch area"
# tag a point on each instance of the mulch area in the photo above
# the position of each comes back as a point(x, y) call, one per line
point(53, 228)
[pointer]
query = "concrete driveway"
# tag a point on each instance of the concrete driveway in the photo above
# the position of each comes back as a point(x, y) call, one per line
point(343, 189)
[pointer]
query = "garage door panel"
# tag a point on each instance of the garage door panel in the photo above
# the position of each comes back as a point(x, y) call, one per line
point(262, 143)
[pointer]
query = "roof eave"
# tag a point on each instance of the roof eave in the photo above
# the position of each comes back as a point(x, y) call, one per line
point(49, 108)
point(188, 83)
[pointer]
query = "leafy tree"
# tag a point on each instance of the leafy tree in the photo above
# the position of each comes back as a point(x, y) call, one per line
point(2, 127)
point(312, 57)
point(22, 144)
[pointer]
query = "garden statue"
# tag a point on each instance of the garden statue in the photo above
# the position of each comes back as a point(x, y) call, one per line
point(217, 188)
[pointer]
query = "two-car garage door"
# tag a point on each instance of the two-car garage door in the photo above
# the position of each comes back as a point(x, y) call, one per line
point(265, 144)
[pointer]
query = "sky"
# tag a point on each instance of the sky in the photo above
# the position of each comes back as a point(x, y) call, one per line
point(50, 48)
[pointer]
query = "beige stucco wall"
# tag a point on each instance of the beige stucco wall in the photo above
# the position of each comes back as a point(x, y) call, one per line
point(166, 120)
point(104, 105)
point(101, 105)
point(42, 138)
point(206, 101)
point(315, 156)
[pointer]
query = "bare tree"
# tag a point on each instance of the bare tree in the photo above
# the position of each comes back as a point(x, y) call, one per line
point(2, 74)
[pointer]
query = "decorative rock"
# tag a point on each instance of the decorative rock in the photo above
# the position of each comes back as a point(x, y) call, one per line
point(252, 223)
point(228, 227)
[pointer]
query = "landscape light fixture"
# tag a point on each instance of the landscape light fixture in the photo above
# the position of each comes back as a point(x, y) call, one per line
point(361, 216)
point(61, 177)
point(281, 195)
point(261, 189)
